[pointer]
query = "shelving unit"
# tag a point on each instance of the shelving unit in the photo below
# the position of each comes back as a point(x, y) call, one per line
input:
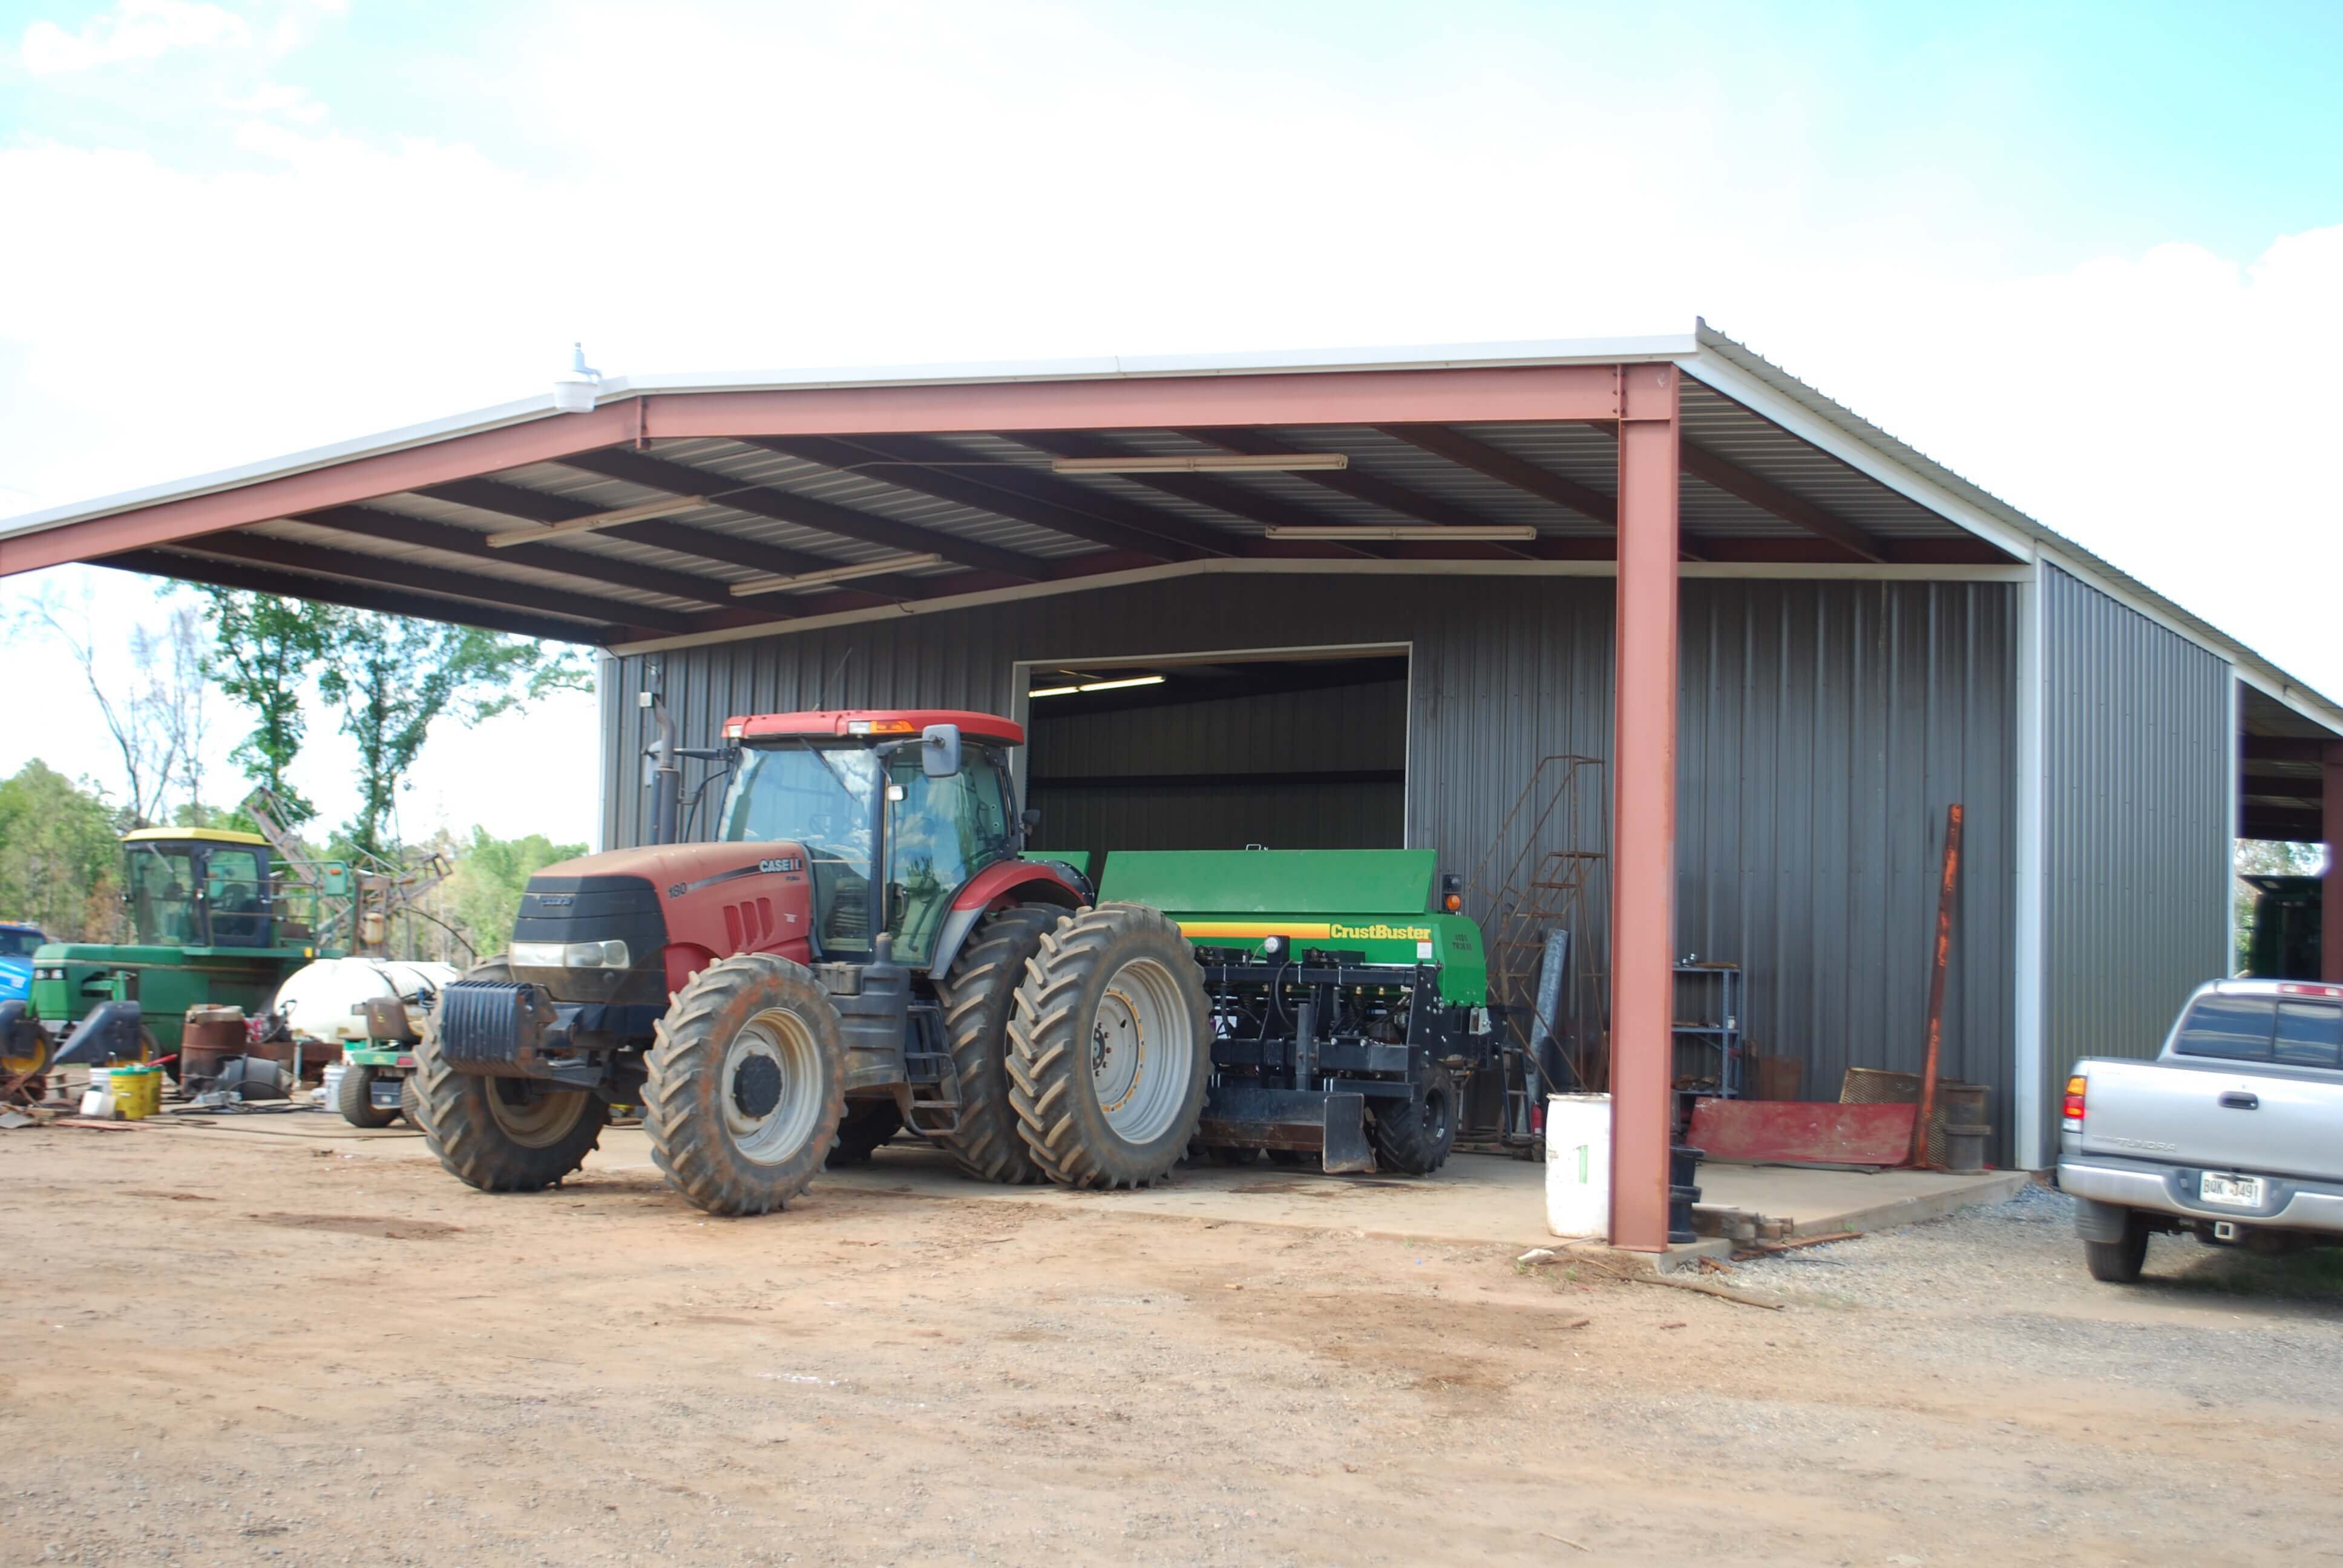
point(1711, 1057)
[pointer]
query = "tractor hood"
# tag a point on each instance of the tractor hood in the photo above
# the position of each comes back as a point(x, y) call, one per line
point(678, 870)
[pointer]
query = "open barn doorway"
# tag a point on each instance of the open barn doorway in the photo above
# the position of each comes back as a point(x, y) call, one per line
point(1288, 748)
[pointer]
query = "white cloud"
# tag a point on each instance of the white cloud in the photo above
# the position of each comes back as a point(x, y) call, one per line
point(133, 30)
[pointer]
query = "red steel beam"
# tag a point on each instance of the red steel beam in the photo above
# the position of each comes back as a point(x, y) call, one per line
point(1642, 811)
point(388, 601)
point(2330, 929)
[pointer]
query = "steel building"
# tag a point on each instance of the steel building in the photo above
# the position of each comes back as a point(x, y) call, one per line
point(1360, 600)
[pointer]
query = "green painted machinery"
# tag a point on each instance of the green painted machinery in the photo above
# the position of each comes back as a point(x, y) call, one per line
point(1348, 1001)
point(217, 918)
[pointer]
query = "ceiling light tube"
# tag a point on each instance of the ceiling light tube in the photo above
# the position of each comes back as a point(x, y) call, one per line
point(1205, 463)
point(647, 511)
point(838, 574)
point(1123, 684)
point(1514, 533)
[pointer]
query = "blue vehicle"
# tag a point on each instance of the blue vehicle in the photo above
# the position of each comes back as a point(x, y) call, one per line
point(18, 945)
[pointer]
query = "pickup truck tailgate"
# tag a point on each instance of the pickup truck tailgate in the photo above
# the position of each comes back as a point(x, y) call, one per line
point(2213, 1114)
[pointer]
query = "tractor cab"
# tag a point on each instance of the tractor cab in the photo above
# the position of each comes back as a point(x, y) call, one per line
point(198, 887)
point(925, 798)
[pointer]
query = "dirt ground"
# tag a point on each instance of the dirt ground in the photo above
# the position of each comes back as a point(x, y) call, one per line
point(238, 1346)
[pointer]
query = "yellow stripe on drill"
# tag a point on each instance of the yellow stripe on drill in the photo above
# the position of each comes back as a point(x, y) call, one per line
point(1254, 930)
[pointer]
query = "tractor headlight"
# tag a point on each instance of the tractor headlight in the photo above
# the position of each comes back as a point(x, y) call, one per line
point(610, 955)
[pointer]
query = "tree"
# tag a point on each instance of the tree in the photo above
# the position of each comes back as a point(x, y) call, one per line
point(392, 677)
point(484, 892)
point(263, 651)
point(157, 716)
point(59, 865)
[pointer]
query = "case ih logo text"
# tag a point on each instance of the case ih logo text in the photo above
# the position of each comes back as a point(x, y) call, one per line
point(786, 863)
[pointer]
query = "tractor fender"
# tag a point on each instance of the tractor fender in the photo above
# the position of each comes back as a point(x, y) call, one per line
point(1000, 884)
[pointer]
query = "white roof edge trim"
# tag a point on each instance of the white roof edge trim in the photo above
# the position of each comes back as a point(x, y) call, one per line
point(1959, 500)
point(468, 423)
point(617, 390)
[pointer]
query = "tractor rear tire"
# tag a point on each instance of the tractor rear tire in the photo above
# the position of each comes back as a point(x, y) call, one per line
point(980, 997)
point(354, 1098)
point(746, 1085)
point(410, 1104)
point(1415, 1135)
point(1111, 1049)
point(501, 1134)
point(868, 1124)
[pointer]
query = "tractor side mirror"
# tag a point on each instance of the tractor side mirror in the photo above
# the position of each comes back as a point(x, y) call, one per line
point(1029, 819)
point(939, 750)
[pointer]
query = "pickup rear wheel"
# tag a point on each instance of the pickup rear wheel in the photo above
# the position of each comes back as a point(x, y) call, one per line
point(2119, 1263)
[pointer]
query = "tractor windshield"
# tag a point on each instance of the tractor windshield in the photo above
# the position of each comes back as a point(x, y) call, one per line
point(820, 798)
point(162, 910)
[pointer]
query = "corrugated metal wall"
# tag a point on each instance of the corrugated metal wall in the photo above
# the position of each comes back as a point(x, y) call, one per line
point(1243, 740)
point(2136, 837)
point(1826, 725)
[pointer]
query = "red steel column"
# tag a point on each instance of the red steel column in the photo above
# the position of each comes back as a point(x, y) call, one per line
point(1644, 811)
point(2330, 927)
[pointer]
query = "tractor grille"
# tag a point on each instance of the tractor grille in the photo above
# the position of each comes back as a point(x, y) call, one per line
point(488, 1025)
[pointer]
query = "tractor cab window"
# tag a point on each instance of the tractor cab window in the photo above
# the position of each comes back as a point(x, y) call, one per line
point(820, 798)
point(236, 895)
point(939, 833)
point(163, 908)
point(19, 942)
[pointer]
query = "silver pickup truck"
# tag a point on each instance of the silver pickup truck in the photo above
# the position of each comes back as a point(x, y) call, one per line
point(2233, 1134)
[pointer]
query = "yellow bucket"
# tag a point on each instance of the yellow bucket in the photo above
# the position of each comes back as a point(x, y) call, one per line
point(137, 1092)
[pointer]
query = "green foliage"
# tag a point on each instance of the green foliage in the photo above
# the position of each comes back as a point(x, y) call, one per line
point(484, 893)
point(60, 867)
point(264, 650)
point(392, 677)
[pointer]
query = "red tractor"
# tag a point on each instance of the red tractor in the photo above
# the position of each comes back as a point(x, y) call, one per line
point(848, 958)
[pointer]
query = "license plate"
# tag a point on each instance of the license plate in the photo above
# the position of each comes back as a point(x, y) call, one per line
point(2235, 1192)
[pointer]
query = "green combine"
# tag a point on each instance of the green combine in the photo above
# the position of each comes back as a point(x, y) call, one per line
point(213, 923)
point(1346, 1005)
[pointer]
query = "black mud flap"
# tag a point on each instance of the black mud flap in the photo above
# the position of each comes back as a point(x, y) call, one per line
point(1346, 1134)
point(1247, 1116)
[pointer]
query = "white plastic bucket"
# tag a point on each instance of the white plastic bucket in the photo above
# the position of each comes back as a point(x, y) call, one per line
point(329, 1092)
point(1578, 1165)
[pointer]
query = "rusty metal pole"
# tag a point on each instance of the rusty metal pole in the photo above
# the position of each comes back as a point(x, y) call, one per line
point(1644, 810)
point(1934, 1052)
point(2330, 891)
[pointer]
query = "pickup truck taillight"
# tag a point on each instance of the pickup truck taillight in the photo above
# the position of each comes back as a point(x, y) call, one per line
point(2293, 990)
point(2073, 1113)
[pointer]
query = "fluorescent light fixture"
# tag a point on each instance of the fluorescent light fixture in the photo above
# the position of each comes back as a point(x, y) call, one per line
point(1514, 533)
point(1206, 463)
point(598, 521)
point(1098, 686)
point(832, 575)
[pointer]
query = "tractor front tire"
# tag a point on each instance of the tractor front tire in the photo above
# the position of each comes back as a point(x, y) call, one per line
point(746, 1085)
point(1414, 1136)
point(980, 997)
point(354, 1098)
point(501, 1134)
point(868, 1124)
point(1110, 1049)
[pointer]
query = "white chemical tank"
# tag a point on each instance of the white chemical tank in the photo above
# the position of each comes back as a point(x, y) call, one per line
point(321, 1001)
point(1578, 1166)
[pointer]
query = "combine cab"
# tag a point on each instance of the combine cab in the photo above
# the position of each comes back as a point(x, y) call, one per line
point(866, 947)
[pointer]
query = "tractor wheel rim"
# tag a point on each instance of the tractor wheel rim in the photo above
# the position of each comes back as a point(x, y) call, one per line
point(1143, 1051)
point(771, 1087)
point(533, 1121)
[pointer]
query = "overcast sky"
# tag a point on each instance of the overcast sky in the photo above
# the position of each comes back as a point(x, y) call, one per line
point(2089, 256)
